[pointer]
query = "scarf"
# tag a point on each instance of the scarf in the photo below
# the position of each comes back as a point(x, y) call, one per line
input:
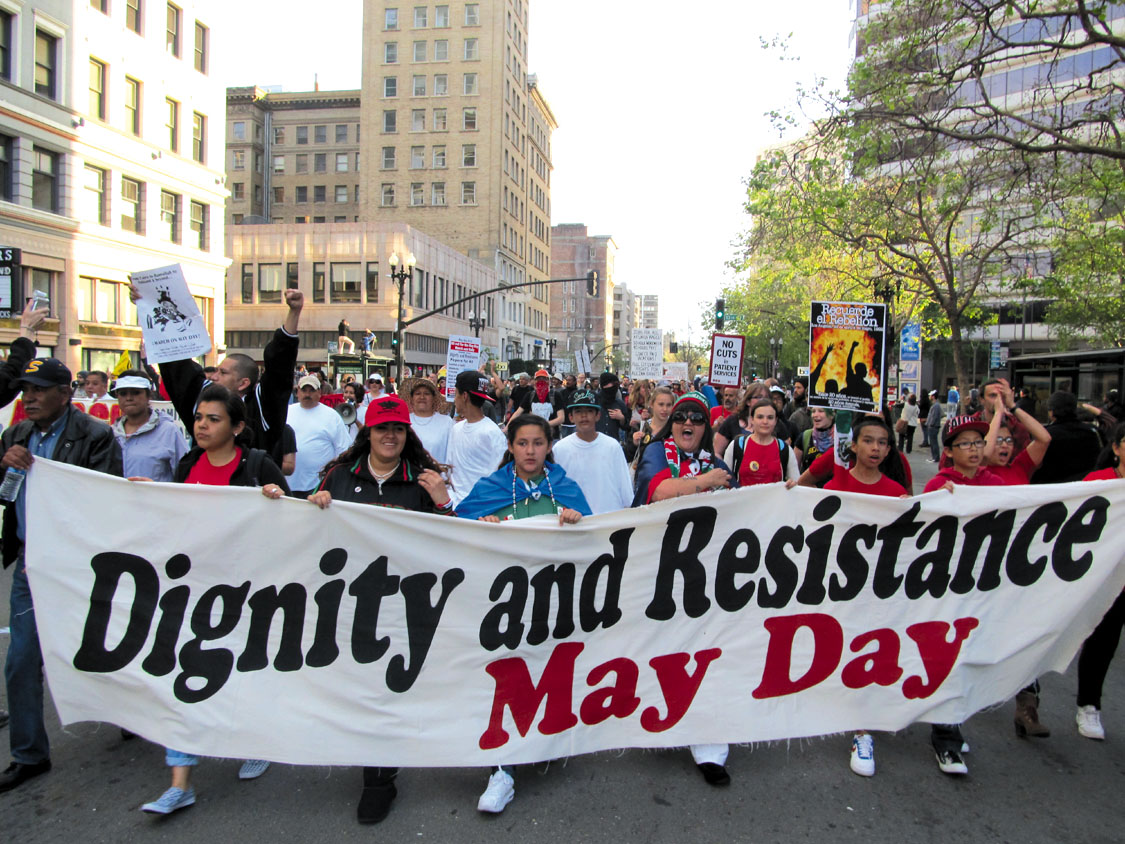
point(696, 465)
point(542, 391)
point(822, 439)
point(497, 491)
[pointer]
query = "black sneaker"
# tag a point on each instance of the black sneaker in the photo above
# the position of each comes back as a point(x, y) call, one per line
point(714, 774)
point(375, 803)
point(17, 773)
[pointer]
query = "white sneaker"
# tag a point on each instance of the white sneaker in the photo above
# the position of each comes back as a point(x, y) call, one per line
point(863, 755)
point(501, 789)
point(950, 762)
point(252, 769)
point(1089, 720)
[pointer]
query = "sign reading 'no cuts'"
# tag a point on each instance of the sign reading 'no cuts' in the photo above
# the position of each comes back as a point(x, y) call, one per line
point(726, 360)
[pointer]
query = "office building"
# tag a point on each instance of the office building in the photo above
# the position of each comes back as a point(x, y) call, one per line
point(577, 318)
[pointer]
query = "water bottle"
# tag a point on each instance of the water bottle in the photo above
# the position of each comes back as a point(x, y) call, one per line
point(13, 480)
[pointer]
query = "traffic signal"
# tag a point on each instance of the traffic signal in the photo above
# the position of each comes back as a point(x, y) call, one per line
point(394, 338)
point(674, 347)
point(720, 313)
point(591, 283)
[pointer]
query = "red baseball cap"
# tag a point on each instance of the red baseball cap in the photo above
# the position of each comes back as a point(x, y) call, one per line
point(385, 410)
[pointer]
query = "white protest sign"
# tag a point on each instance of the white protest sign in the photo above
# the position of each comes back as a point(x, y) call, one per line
point(674, 371)
point(646, 358)
point(171, 324)
point(720, 617)
point(463, 353)
point(726, 360)
point(584, 359)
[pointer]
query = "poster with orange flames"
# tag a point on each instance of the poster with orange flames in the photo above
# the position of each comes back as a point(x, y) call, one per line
point(847, 361)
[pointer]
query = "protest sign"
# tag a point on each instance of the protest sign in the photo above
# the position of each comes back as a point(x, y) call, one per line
point(675, 371)
point(847, 345)
point(463, 353)
point(9, 268)
point(107, 411)
point(745, 615)
point(726, 360)
point(171, 324)
point(646, 356)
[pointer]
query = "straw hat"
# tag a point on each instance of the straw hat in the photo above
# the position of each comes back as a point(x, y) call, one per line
point(407, 390)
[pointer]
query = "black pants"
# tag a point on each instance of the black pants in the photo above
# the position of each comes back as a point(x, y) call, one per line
point(374, 777)
point(1097, 653)
point(906, 439)
point(946, 737)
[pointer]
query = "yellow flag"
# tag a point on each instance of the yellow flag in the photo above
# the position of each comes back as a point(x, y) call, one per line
point(124, 362)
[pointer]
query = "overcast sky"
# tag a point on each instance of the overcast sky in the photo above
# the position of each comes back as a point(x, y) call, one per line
point(661, 112)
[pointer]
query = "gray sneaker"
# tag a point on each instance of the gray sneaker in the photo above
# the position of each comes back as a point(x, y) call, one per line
point(170, 801)
point(252, 769)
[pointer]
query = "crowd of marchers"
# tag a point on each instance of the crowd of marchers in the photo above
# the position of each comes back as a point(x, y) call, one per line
point(512, 448)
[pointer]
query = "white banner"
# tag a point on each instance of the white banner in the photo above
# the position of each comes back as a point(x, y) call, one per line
point(646, 358)
point(107, 410)
point(172, 326)
point(409, 639)
point(463, 353)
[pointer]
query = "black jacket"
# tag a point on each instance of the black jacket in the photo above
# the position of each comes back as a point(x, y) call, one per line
point(353, 482)
point(267, 404)
point(1071, 455)
point(85, 441)
point(21, 353)
point(255, 468)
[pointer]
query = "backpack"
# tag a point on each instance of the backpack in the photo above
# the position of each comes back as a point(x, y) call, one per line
point(254, 458)
point(809, 452)
point(782, 450)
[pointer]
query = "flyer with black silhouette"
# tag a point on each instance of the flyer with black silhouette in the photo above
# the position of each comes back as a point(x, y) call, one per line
point(172, 326)
point(847, 356)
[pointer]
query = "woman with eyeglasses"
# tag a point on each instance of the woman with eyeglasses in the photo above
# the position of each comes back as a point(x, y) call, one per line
point(678, 462)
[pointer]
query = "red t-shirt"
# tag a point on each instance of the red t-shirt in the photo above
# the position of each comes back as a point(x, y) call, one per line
point(847, 482)
point(1019, 471)
point(718, 414)
point(983, 477)
point(1109, 474)
point(761, 464)
point(203, 472)
point(825, 464)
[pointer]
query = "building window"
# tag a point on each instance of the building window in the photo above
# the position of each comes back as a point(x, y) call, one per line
point(388, 158)
point(346, 282)
point(470, 86)
point(133, 15)
point(320, 193)
point(238, 130)
point(238, 191)
point(390, 52)
point(199, 225)
point(373, 281)
point(468, 155)
point(94, 204)
point(341, 162)
point(302, 162)
point(198, 137)
point(170, 216)
point(46, 64)
point(320, 134)
point(357, 200)
point(419, 86)
point(97, 89)
point(418, 120)
point(417, 157)
point(341, 133)
point(439, 157)
point(202, 36)
point(420, 17)
point(279, 195)
point(468, 193)
point(439, 120)
point(247, 284)
point(341, 193)
point(106, 301)
point(131, 217)
point(469, 120)
point(441, 85)
point(302, 194)
point(390, 120)
point(472, 14)
point(390, 86)
point(172, 124)
point(292, 277)
point(388, 194)
point(441, 16)
point(320, 162)
point(279, 164)
point(419, 51)
point(238, 159)
point(133, 106)
point(5, 44)
point(172, 39)
point(302, 135)
point(437, 193)
point(236, 219)
point(390, 19)
point(441, 50)
point(270, 282)
point(357, 162)
point(44, 180)
point(472, 53)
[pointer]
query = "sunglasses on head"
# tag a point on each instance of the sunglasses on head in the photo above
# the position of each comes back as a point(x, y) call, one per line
point(694, 416)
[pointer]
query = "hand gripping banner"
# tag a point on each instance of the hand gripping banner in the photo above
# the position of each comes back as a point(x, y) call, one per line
point(221, 623)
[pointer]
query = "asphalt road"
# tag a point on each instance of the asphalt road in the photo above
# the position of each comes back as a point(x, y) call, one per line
point(1061, 789)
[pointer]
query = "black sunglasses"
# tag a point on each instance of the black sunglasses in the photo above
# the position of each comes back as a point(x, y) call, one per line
point(694, 416)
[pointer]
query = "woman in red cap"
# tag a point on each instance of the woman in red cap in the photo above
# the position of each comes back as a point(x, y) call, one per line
point(387, 466)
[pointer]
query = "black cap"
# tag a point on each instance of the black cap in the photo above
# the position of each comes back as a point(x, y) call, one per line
point(46, 372)
point(607, 378)
point(583, 398)
point(474, 383)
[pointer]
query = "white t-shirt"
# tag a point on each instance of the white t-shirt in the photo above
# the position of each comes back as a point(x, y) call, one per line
point(475, 451)
point(321, 437)
point(599, 469)
point(433, 431)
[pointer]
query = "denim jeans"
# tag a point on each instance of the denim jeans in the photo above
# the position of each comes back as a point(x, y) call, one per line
point(174, 758)
point(935, 442)
point(23, 674)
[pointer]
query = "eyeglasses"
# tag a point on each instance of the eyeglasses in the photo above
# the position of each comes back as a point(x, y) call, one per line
point(1005, 440)
point(965, 446)
point(694, 416)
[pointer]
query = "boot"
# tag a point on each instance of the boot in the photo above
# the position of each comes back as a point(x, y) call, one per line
point(1027, 716)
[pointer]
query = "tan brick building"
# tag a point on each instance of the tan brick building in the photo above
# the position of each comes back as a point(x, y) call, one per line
point(578, 319)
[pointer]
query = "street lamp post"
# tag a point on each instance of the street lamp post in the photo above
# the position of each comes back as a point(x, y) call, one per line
point(551, 353)
point(775, 354)
point(399, 277)
point(476, 323)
